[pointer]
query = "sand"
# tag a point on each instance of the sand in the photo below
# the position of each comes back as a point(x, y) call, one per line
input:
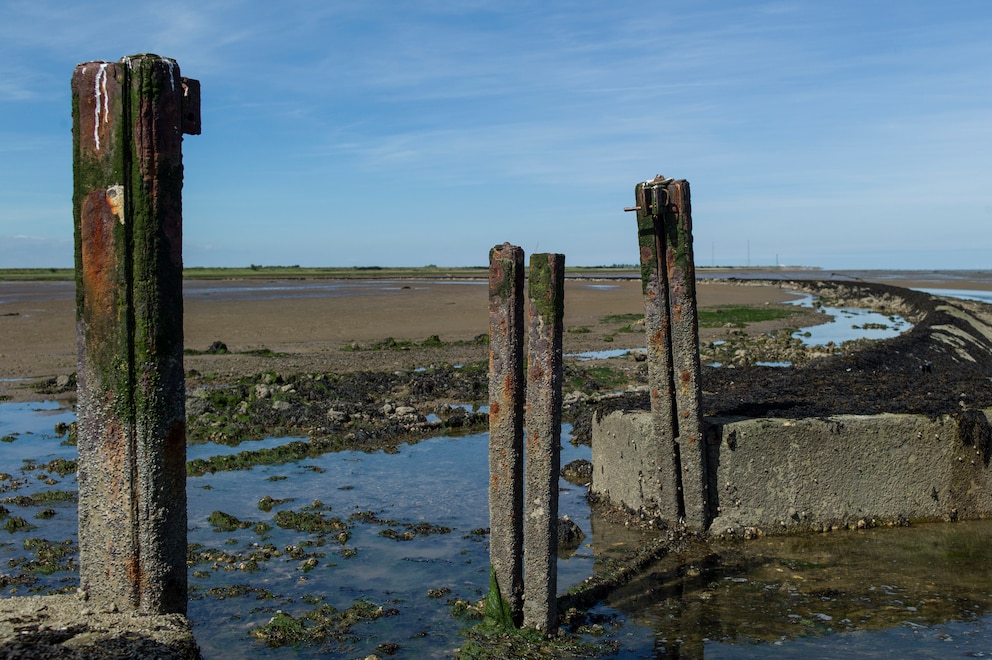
point(315, 332)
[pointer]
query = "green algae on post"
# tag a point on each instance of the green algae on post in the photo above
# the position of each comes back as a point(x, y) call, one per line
point(128, 120)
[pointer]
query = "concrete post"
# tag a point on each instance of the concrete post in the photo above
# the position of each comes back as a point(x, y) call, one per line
point(664, 223)
point(546, 295)
point(685, 353)
point(128, 120)
point(661, 487)
point(506, 420)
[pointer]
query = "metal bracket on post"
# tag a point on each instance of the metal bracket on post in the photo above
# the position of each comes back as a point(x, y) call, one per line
point(191, 107)
point(664, 225)
point(652, 197)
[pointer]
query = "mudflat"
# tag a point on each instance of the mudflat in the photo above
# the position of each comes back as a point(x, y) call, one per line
point(298, 326)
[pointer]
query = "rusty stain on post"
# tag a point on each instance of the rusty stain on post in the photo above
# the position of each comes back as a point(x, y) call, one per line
point(662, 487)
point(127, 208)
point(546, 295)
point(685, 352)
point(506, 419)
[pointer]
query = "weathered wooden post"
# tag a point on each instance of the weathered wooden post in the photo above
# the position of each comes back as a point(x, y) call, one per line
point(546, 296)
point(128, 121)
point(506, 420)
point(664, 227)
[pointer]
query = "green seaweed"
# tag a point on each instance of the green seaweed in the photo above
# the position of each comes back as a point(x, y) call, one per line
point(319, 626)
point(225, 522)
point(309, 521)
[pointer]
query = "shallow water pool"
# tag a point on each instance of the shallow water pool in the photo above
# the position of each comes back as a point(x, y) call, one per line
point(921, 591)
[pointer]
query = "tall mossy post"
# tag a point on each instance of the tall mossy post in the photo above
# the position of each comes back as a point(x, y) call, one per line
point(523, 540)
point(128, 121)
point(506, 423)
point(546, 305)
point(664, 228)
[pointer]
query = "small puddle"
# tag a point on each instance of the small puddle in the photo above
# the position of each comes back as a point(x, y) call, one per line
point(600, 355)
point(922, 591)
point(848, 324)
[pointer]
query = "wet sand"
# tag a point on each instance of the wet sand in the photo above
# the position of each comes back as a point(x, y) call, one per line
point(310, 324)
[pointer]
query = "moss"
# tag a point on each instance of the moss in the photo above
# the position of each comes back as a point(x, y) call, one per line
point(309, 521)
point(267, 503)
point(546, 288)
point(44, 497)
point(240, 591)
point(739, 316)
point(320, 626)
point(16, 524)
point(497, 636)
point(225, 522)
point(60, 466)
point(594, 379)
point(623, 318)
point(511, 269)
point(49, 557)
point(71, 431)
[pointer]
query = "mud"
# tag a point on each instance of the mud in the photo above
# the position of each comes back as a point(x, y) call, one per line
point(939, 367)
point(917, 372)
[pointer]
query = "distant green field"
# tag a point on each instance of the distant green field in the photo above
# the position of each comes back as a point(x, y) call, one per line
point(300, 272)
point(11, 274)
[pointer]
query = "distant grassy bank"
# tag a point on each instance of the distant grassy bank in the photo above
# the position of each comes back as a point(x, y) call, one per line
point(300, 272)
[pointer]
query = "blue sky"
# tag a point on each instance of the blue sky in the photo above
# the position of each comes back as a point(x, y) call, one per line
point(840, 134)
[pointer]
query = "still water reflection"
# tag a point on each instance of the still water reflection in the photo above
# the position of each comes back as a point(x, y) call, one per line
point(920, 591)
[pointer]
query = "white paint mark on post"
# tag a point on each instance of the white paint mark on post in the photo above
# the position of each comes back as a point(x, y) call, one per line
point(102, 102)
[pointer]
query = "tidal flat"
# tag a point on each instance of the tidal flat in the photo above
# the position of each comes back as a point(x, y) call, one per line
point(364, 518)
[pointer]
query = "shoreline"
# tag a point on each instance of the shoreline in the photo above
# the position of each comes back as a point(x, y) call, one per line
point(315, 325)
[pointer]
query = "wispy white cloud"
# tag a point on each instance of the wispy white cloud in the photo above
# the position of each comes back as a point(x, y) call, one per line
point(771, 109)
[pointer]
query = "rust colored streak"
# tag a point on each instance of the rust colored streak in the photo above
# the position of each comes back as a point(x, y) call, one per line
point(112, 445)
point(647, 254)
point(536, 372)
point(496, 274)
point(135, 575)
point(494, 409)
point(98, 254)
point(686, 377)
point(657, 339)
